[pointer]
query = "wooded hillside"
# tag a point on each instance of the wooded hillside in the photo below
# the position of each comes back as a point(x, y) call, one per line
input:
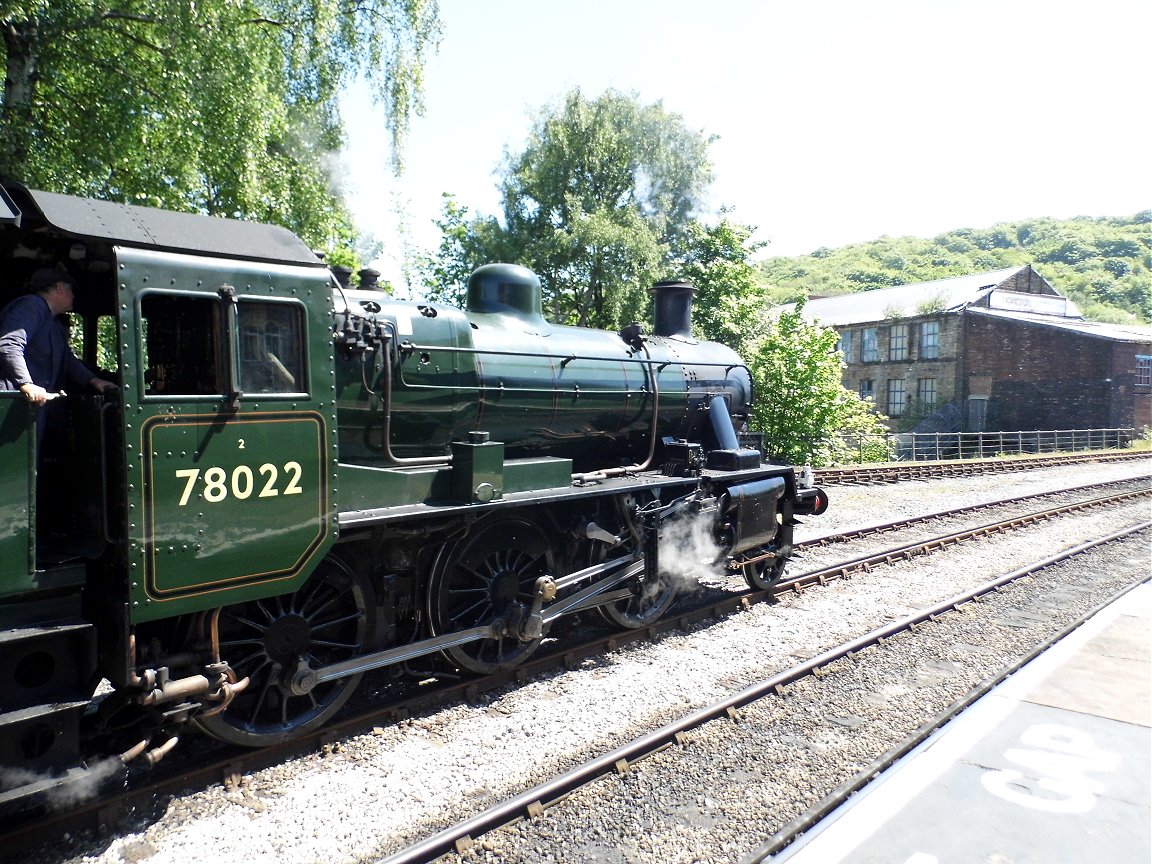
point(1103, 264)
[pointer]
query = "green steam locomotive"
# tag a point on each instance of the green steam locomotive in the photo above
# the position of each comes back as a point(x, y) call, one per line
point(298, 481)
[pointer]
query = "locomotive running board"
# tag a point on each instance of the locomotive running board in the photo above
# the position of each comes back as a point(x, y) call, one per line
point(306, 678)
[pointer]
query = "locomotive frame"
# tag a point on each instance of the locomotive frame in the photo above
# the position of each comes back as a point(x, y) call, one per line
point(299, 482)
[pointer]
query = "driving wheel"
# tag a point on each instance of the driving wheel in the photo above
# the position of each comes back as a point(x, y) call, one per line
point(650, 600)
point(328, 620)
point(489, 576)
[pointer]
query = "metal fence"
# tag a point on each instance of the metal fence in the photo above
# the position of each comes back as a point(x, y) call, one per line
point(922, 446)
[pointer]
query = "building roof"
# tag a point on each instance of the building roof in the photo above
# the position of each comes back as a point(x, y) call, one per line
point(905, 301)
point(1113, 332)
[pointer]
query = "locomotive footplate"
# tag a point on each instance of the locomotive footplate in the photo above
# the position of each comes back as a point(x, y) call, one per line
point(430, 506)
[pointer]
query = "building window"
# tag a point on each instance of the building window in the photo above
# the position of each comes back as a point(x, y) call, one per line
point(929, 340)
point(895, 397)
point(1143, 370)
point(869, 350)
point(926, 391)
point(844, 346)
point(868, 389)
point(898, 342)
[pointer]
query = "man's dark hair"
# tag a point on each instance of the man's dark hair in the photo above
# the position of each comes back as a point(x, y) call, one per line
point(47, 277)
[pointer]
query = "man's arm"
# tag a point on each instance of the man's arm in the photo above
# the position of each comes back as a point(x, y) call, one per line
point(80, 376)
point(20, 319)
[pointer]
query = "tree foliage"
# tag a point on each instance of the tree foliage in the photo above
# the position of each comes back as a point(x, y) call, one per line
point(1103, 264)
point(599, 203)
point(730, 299)
point(801, 405)
point(226, 107)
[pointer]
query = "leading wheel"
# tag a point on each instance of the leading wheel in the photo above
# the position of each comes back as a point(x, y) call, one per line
point(487, 576)
point(762, 575)
point(328, 620)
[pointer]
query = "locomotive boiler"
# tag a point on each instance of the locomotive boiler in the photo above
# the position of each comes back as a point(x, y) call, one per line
point(298, 482)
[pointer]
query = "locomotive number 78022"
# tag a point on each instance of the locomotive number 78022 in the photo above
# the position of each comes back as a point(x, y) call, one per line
point(217, 483)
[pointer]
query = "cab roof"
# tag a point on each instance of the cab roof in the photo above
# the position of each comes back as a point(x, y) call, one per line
point(148, 227)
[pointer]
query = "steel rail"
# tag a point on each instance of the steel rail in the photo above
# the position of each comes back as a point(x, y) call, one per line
point(884, 527)
point(899, 472)
point(919, 547)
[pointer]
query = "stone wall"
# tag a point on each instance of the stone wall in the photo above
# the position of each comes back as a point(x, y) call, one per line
point(944, 368)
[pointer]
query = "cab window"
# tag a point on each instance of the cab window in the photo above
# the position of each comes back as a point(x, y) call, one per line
point(271, 347)
point(180, 345)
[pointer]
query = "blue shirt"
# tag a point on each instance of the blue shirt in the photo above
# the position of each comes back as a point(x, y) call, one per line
point(34, 348)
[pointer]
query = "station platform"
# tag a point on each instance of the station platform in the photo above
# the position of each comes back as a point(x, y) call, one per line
point(1052, 766)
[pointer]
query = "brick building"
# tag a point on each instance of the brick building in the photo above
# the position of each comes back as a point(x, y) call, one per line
point(992, 351)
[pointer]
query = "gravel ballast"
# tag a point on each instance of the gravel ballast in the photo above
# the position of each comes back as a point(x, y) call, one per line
point(373, 793)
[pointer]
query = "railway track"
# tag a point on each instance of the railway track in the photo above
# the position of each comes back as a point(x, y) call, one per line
point(534, 802)
point(899, 472)
point(221, 764)
point(899, 524)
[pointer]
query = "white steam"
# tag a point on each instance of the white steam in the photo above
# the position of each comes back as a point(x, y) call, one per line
point(688, 548)
point(64, 792)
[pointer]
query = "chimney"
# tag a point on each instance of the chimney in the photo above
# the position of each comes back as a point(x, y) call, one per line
point(672, 307)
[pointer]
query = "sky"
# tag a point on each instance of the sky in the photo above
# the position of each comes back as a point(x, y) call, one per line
point(836, 122)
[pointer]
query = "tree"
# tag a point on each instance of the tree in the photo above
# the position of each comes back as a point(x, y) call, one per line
point(730, 299)
point(465, 244)
point(801, 404)
point(224, 107)
point(597, 204)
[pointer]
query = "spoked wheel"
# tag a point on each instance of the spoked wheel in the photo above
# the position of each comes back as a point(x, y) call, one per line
point(487, 576)
point(762, 575)
point(328, 620)
point(651, 597)
point(649, 602)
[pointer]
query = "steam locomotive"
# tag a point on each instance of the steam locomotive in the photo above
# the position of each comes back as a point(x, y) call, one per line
point(298, 481)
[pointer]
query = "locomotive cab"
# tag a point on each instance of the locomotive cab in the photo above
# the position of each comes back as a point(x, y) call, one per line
point(54, 517)
point(152, 502)
point(60, 516)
